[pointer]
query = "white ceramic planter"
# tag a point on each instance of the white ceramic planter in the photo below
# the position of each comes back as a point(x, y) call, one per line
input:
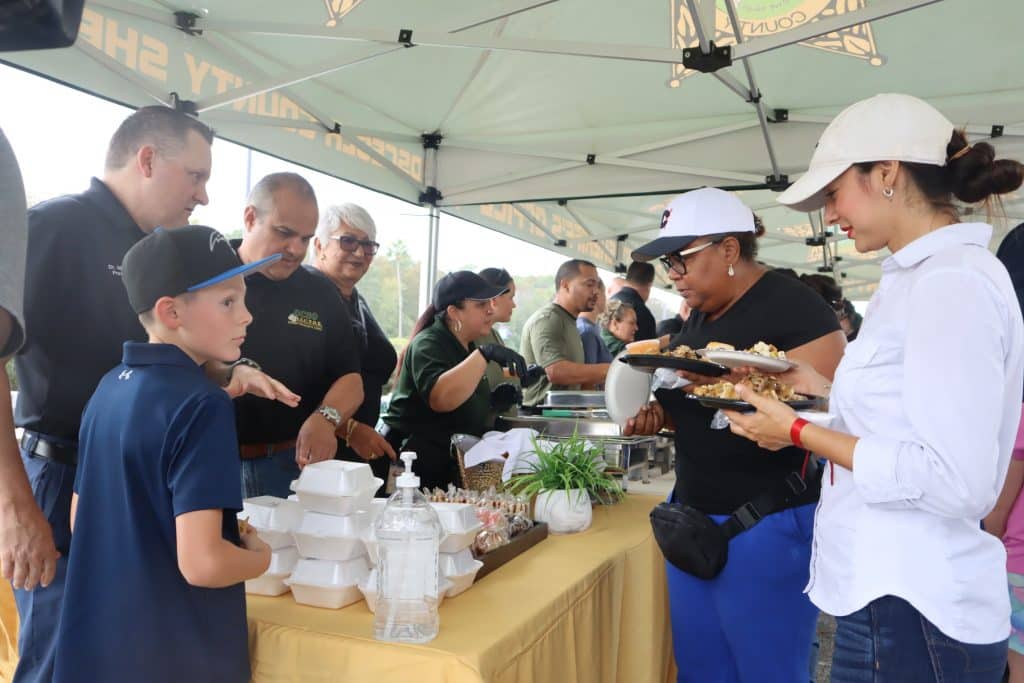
point(566, 512)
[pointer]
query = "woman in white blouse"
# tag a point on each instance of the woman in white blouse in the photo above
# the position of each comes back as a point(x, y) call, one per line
point(925, 402)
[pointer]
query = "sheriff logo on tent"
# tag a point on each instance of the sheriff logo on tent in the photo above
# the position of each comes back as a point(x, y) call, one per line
point(765, 17)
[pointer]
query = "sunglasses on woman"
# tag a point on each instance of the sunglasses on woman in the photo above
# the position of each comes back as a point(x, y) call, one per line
point(349, 243)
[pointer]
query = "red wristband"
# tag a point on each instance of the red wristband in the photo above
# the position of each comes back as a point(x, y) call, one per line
point(795, 429)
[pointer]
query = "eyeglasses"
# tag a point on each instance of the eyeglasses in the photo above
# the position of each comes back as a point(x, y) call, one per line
point(349, 243)
point(677, 261)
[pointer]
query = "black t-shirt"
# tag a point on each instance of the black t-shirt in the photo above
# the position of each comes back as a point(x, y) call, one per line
point(645, 325)
point(301, 334)
point(717, 471)
point(77, 315)
point(670, 326)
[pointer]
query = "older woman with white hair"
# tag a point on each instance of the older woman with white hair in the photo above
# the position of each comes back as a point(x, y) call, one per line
point(345, 244)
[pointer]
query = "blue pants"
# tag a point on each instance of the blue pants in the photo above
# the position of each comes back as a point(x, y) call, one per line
point(752, 623)
point(39, 609)
point(270, 475)
point(889, 641)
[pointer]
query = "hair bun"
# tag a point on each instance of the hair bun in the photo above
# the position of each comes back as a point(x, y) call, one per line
point(759, 228)
point(977, 174)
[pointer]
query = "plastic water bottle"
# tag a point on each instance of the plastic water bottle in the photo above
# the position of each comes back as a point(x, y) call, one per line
point(408, 535)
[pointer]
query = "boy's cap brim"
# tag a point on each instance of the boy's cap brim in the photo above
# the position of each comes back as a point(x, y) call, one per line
point(240, 270)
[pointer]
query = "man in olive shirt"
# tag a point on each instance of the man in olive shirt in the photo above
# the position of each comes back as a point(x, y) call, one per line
point(550, 337)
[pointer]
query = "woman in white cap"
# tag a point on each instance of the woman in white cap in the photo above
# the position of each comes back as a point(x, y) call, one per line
point(746, 620)
point(925, 402)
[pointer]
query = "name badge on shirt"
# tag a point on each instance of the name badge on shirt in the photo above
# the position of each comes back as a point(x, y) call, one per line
point(307, 319)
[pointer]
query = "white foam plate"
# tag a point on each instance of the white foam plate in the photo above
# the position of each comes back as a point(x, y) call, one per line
point(740, 359)
point(626, 391)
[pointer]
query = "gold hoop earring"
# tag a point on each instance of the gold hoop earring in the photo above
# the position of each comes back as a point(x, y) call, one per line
point(732, 271)
point(887, 192)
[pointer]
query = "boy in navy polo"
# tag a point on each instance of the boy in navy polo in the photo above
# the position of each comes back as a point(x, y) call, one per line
point(154, 587)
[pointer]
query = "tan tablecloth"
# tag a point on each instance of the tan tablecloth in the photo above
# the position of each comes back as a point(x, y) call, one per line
point(588, 607)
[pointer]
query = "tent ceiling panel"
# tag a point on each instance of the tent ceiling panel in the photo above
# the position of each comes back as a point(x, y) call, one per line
point(520, 111)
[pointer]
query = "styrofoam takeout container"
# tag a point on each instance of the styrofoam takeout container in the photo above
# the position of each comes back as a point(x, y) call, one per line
point(337, 504)
point(460, 525)
point(273, 519)
point(456, 564)
point(326, 583)
point(271, 582)
point(335, 478)
point(330, 537)
point(462, 582)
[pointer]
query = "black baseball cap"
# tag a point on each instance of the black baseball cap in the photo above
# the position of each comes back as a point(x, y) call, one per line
point(463, 284)
point(173, 262)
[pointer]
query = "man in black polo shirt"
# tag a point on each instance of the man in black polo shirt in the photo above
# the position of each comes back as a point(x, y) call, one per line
point(636, 292)
point(301, 334)
point(77, 317)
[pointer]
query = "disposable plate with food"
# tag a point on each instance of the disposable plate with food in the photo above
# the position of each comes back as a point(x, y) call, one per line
point(654, 361)
point(803, 403)
point(740, 359)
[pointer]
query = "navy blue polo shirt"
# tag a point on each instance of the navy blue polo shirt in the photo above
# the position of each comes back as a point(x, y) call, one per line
point(157, 441)
point(77, 313)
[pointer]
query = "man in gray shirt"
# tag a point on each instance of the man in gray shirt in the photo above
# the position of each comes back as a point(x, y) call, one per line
point(28, 556)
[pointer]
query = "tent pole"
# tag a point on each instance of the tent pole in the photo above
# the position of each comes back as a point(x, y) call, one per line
point(430, 196)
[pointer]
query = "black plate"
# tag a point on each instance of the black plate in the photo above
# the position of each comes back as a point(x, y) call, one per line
point(812, 403)
point(700, 367)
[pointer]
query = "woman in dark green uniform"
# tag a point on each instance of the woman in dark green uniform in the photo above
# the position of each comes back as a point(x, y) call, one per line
point(618, 326)
point(442, 389)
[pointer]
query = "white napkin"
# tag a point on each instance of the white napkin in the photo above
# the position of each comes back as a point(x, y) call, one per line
point(494, 445)
point(666, 378)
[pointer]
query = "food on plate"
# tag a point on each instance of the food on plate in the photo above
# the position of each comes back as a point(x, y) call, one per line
point(682, 351)
point(763, 385)
point(719, 346)
point(645, 347)
point(769, 350)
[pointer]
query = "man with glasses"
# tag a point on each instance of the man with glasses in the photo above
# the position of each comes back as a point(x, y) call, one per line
point(301, 334)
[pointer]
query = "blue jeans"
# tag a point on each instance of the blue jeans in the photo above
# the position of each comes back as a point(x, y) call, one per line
point(270, 475)
point(752, 623)
point(889, 641)
point(39, 609)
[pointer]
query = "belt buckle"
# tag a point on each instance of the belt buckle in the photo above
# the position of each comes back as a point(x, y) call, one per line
point(748, 515)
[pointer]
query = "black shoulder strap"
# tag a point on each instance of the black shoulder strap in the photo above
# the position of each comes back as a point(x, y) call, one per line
point(779, 497)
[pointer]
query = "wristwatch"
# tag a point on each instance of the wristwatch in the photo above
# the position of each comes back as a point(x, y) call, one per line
point(248, 362)
point(330, 414)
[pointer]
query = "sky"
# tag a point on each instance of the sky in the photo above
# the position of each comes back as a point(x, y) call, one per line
point(60, 142)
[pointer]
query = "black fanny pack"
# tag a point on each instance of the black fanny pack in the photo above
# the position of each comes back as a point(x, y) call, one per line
point(699, 546)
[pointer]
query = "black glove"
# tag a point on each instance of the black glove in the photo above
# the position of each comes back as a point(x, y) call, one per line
point(532, 376)
point(503, 356)
point(506, 395)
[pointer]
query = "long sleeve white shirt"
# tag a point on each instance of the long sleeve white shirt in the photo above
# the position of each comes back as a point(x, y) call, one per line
point(932, 387)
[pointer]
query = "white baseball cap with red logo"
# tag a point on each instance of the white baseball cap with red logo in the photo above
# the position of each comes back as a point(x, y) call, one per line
point(707, 211)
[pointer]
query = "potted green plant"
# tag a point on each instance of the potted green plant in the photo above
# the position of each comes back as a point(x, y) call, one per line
point(563, 478)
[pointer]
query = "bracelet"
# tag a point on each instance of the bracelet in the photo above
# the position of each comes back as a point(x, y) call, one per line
point(349, 428)
point(795, 429)
point(247, 362)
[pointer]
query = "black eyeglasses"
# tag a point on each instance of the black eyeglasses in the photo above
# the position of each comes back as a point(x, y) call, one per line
point(349, 243)
point(677, 261)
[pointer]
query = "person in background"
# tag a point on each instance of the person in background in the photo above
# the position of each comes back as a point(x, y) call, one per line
point(594, 348)
point(615, 286)
point(344, 246)
point(550, 337)
point(505, 386)
point(618, 326)
point(1006, 521)
point(924, 416)
point(671, 326)
point(850, 320)
point(441, 388)
point(635, 292)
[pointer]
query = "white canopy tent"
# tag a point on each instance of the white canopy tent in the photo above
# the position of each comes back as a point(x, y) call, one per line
point(568, 123)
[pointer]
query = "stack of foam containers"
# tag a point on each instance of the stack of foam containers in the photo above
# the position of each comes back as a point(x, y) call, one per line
point(273, 519)
point(335, 497)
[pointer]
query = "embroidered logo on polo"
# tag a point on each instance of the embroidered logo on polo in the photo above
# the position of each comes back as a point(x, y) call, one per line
point(215, 238)
point(307, 319)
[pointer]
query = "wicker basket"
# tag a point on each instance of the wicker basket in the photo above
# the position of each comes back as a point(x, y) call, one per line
point(479, 477)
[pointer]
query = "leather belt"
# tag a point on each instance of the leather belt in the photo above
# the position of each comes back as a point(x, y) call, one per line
point(41, 447)
point(253, 451)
